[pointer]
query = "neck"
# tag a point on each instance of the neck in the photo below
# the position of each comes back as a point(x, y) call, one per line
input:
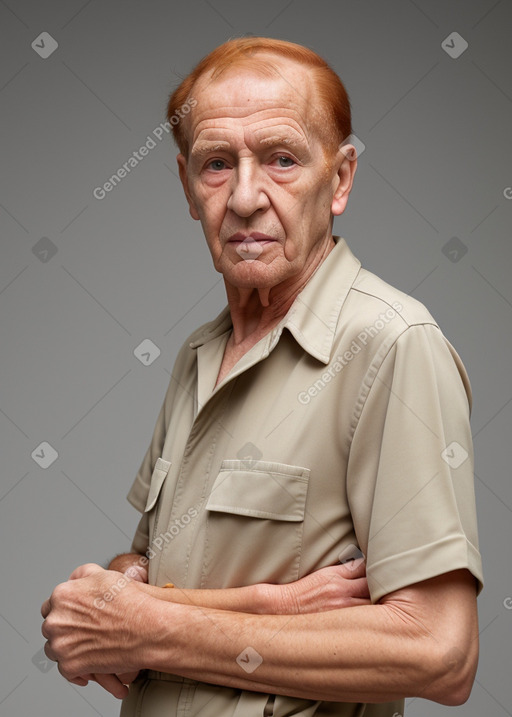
point(255, 312)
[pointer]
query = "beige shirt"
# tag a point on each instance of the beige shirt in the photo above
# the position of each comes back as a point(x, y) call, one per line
point(345, 429)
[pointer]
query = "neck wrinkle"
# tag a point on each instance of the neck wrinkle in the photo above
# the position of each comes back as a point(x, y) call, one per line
point(252, 318)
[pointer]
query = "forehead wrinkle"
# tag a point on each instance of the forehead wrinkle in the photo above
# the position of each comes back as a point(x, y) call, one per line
point(262, 136)
point(232, 117)
point(296, 100)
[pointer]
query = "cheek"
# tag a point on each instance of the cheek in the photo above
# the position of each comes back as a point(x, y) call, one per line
point(210, 206)
point(316, 207)
point(308, 219)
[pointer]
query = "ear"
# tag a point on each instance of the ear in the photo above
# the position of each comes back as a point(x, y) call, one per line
point(182, 168)
point(347, 165)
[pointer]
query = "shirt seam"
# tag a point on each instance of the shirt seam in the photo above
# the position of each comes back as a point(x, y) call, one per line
point(409, 324)
point(368, 386)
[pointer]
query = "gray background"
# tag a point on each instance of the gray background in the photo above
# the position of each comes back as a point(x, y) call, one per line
point(133, 266)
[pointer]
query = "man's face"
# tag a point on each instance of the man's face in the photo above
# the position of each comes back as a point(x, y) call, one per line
point(258, 175)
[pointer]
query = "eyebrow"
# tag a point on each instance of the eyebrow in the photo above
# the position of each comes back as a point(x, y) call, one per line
point(204, 147)
point(292, 139)
point(276, 139)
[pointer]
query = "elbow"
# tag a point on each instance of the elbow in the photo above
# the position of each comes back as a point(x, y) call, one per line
point(456, 694)
point(459, 690)
point(453, 676)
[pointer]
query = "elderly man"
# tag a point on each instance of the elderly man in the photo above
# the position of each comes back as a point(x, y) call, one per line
point(320, 419)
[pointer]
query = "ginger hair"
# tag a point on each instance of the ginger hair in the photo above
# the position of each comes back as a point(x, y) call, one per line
point(255, 54)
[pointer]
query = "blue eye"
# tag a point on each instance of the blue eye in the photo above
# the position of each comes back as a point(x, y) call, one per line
point(285, 161)
point(217, 165)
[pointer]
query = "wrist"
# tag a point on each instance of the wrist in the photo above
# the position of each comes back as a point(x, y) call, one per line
point(159, 632)
point(264, 599)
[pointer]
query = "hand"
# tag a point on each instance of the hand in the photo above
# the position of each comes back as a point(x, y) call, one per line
point(93, 640)
point(111, 683)
point(331, 588)
point(135, 571)
point(115, 684)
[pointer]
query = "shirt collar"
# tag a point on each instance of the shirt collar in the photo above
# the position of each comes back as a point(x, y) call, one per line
point(313, 317)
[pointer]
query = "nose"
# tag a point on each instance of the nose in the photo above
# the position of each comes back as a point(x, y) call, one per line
point(248, 193)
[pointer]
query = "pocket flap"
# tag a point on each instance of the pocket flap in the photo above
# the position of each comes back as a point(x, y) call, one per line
point(274, 491)
point(157, 479)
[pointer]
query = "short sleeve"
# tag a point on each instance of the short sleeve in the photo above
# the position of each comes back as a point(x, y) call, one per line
point(410, 473)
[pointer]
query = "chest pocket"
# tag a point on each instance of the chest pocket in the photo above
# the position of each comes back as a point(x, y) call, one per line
point(255, 518)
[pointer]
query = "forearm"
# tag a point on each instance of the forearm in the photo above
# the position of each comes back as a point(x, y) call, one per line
point(358, 655)
point(330, 588)
point(420, 641)
point(251, 599)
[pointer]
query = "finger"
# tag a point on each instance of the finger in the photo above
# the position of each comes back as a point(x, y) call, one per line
point(49, 653)
point(353, 568)
point(127, 677)
point(112, 684)
point(82, 571)
point(355, 602)
point(45, 608)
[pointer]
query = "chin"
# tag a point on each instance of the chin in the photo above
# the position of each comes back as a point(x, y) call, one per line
point(253, 274)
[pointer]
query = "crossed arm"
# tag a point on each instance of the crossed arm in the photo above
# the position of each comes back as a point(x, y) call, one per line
point(418, 641)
